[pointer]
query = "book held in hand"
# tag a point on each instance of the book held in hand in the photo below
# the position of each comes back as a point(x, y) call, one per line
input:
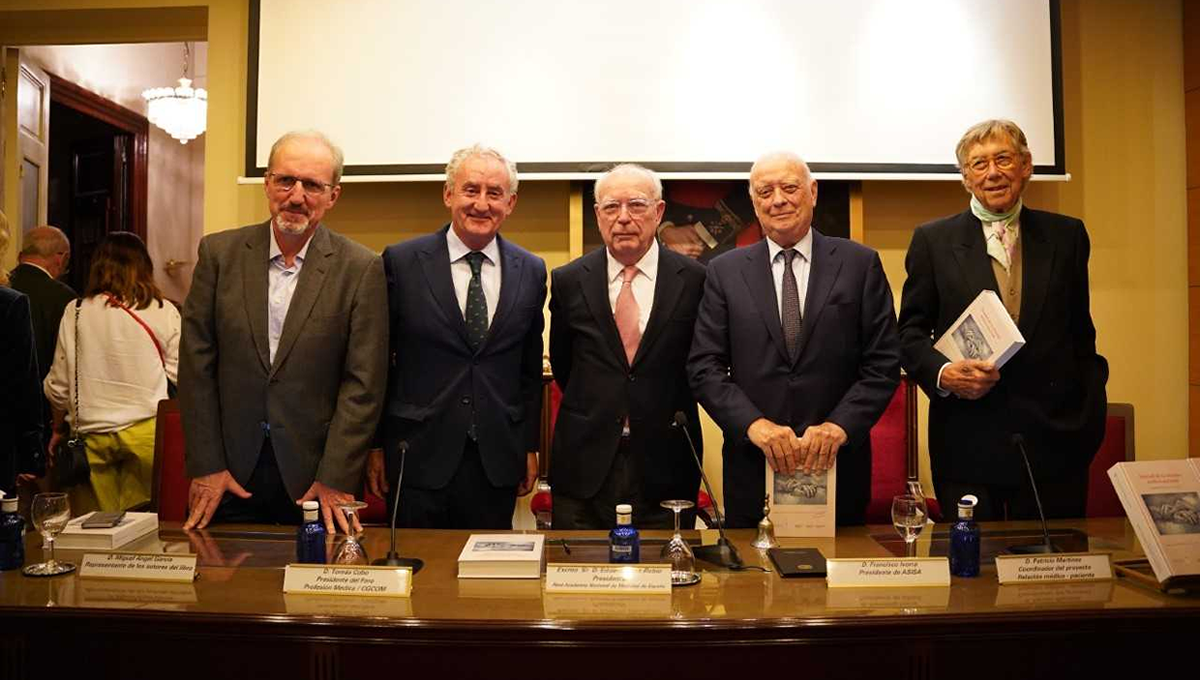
point(984, 331)
point(502, 556)
point(1162, 500)
point(132, 526)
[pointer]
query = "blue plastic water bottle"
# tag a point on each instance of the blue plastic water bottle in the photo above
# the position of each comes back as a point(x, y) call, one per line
point(964, 540)
point(310, 536)
point(624, 544)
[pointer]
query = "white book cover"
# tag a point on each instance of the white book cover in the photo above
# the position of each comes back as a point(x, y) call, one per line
point(502, 556)
point(803, 505)
point(132, 526)
point(1162, 500)
point(984, 331)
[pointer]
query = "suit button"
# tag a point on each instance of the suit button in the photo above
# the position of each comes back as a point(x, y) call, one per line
point(466, 401)
point(632, 378)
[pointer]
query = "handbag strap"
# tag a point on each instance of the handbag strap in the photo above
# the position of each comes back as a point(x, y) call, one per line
point(144, 325)
point(74, 430)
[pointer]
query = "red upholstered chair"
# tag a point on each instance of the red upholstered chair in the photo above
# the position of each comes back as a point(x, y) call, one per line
point(1117, 447)
point(894, 454)
point(169, 489)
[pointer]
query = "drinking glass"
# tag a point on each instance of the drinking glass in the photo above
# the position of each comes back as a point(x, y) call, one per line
point(908, 516)
point(677, 551)
point(51, 512)
point(351, 550)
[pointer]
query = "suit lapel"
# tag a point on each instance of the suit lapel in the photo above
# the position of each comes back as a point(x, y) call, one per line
point(1037, 261)
point(971, 253)
point(254, 289)
point(668, 285)
point(312, 280)
point(510, 283)
point(757, 274)
point(822, 274)
point(594, 284)
point(435, 263)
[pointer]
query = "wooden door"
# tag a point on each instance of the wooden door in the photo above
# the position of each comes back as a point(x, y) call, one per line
point(33, 142)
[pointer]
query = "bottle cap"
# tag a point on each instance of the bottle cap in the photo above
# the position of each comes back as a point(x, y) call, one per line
point(311, 505)
point(624, 509)
point(9, 504)
point(966, 507)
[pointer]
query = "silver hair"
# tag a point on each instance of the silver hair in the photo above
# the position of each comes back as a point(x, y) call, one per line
point(656, 190)
point(334, 150)
point(788, 156)
point(997, 128)
point(4, 238)
point(44, 241)
point(476, 151)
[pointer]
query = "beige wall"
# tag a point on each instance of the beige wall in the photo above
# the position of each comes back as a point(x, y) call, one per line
point(1122, 75)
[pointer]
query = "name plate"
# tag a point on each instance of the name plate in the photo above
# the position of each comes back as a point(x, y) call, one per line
point(139, 566)
point(360, 581)
point(1053, 568)
point(642, 579)
point(889, 572)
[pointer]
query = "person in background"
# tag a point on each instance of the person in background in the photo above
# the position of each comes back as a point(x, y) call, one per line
point(20, 399)
point(122, 341)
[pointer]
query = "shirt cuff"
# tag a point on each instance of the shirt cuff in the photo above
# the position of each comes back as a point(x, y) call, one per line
point(940, 391)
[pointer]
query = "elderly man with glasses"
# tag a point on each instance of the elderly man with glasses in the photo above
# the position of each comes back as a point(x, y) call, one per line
point(284, 353)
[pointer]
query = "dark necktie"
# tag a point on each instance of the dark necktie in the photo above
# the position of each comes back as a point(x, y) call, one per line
point(476, 313)
point(791, 306)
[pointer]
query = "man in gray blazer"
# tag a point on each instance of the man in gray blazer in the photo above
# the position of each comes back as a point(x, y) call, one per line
point(284, 353)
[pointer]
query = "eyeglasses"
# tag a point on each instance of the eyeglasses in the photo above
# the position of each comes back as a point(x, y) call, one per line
point(284, 184)
point(1003, 161)
point(637, 207)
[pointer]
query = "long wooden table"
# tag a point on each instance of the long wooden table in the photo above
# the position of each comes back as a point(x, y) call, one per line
point(235, 621)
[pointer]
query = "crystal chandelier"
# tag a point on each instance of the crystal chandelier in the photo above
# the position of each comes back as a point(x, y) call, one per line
point(180, 111)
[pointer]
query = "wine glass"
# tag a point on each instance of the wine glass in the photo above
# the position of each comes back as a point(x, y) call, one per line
point(51, 512)
point(677, 551)
point(908, 516)
point(351, 551)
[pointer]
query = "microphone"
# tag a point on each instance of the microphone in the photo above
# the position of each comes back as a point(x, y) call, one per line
point(723, 553)
point(1046, 546)
point(393, 558)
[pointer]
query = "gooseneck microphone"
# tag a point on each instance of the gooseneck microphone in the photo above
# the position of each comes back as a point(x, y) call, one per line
point(723, 553)
point(393, 558)
point(1037, 548)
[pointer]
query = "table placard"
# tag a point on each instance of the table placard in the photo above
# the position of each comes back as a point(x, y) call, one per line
point(357, 581)
point(1055, 568)
point(644, 579)
point(139, 566)
point(888, 572)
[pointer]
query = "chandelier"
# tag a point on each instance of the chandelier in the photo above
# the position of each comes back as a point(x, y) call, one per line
point(180, 111)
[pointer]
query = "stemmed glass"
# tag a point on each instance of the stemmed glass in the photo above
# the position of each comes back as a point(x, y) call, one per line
point(351, 551)
point(51, 512)
point(677, 551)
point(908, 516)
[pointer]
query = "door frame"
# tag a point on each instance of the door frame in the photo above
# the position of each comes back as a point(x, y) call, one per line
point(89, 103)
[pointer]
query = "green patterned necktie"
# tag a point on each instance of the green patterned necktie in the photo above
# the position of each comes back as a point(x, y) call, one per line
point(476, 313)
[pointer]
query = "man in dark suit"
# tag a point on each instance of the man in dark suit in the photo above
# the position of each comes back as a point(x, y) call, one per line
point(45, 256)
point(20, 407)
point(465, 387)
point(796, 353)
point(283, 353)
point(621, 320)
point(1052, 392)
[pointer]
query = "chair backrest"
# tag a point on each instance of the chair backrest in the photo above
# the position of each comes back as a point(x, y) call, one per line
point(1117, 447)
point(169, 491)
point(890, 440)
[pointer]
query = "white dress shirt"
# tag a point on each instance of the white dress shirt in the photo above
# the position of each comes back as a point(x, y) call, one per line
point(642, 285)
point(281, 286)
point(800, 267)
point(460, 272)
point(121, 378)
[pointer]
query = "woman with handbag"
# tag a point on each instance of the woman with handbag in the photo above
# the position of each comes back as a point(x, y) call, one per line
point(118, 350)
point(20, 406)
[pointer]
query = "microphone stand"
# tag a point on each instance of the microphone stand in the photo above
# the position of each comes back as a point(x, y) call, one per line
point(1046, 547)
point(393, 558)
point(723, 553)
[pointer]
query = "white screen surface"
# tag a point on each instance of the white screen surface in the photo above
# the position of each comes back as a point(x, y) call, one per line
point(568, 85)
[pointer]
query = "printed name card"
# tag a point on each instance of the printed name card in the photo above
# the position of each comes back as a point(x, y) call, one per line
point(361, 581)
point(608, 578)
point(891, 572)
point(139, 566)
point(1053, 568)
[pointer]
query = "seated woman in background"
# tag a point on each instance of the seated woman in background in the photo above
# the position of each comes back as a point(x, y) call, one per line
point(20, 407)
point(128, 350)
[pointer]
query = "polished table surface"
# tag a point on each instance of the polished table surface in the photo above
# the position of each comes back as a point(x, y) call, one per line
point(237, 608)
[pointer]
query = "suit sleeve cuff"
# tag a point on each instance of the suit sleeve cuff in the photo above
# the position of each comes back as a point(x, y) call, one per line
point(942, 392)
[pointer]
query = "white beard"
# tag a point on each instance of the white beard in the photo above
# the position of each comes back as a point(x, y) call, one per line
point(292, 227)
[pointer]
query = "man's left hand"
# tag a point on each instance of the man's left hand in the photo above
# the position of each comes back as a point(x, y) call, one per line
point(329, 498)
point(531, 474)
point(819, 446)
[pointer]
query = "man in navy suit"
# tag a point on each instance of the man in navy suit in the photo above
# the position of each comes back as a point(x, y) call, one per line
point(465, 385)
point(795, 354)
point(621, 320)
point(1052, 391)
